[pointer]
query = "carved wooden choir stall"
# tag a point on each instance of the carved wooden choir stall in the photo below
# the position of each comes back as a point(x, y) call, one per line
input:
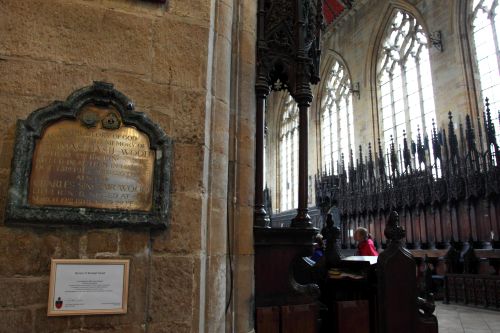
point(446, 189)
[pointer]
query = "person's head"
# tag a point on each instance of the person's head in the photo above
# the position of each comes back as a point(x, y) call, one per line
point(360, 234)
point(319, 241)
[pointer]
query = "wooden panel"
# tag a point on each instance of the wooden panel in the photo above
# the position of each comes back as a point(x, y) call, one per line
point(353, 316)
point(299, 318)
point(451, 295)
point(490, 293)
point(408, 226)
point(479, 292)
point(474, 289)
point(469, 291)
point(463, 221)
point(417, 227)
point(268, 319)
point(454, 221)
point(437, 222)
point(460, 290)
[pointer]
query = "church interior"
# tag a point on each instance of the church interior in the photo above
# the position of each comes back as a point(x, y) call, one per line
point(235, 159)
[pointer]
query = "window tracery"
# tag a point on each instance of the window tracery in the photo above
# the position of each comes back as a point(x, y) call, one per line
point(336, 118)
point(288, 153)
point(406, 97)
point(485, 28)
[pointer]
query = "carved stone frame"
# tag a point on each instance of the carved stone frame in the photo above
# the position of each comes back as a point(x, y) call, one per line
point(19, 210)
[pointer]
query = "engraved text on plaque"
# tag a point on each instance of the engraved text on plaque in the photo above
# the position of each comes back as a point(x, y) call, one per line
point(94, 161)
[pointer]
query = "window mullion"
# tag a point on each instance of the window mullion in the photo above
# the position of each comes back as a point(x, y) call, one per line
point(406, 104)
point(393, 112)
point(491, 16)
point(421, 97)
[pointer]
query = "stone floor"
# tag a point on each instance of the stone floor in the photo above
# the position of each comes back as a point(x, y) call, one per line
point(461, 319)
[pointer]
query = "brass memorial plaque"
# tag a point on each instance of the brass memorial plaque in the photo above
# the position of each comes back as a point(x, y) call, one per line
point(94, 161)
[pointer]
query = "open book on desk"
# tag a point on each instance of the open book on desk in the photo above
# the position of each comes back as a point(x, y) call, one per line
point(337, 274)
point(371, 259)
point(353, 267)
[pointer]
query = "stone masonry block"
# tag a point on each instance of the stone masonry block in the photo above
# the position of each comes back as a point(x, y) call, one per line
point(172, 288)
point(134, 242)
point(170, 327)
point(217, 239)
point(151, 8)
point(247, 47)
point(188, 168)
point(19, 321)
point(129, 328)
point(102, 241)
point(145, 94)
point(220, 128)
point(76, 33)
point(55, 81)
point(196, 10)
point(45, 324)
point(29, 252)
point(224, 12)
point(23, 291)
point(45, 79)
point(249, 21)
point(244, 294)
point(222, 73)
point(180, 61)
point(184, 233)
point(13, 108)
point(189, 116)
point(246, 185)
point(163, 119)
point(219, 176)
point(23, 249)
point(216, 296)
point(244, 230)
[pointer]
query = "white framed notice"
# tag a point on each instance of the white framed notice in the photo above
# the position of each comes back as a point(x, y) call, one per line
point(88, 286)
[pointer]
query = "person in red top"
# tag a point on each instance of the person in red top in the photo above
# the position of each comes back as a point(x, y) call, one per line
point(365, 243)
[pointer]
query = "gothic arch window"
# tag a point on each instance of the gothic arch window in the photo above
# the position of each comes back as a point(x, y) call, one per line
point(406, 98)
point(288, 155)
point(485, 28)
point(336, 118)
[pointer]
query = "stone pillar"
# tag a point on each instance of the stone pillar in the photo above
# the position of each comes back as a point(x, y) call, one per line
point(240, 317)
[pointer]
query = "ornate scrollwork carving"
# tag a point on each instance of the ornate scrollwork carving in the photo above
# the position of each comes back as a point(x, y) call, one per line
point(471, 172)
point(288, 51)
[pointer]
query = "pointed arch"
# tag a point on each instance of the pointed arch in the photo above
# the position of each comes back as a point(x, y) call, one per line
point(334, 111)
point(481, 20)
point(373, 53)
point(287, 148)
point(472, 86)
point(401, 79)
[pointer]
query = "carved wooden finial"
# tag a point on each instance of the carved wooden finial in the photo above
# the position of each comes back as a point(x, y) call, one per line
point(393, 231)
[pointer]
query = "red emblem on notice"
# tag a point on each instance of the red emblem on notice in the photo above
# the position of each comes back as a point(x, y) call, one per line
point(59, 303)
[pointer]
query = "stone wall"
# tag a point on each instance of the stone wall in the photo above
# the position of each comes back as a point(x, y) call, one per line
point(180, 63)
point(355, 39)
